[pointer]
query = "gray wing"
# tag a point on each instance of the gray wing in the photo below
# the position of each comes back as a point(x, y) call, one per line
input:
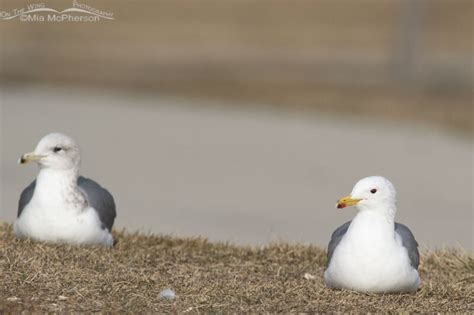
point(100, 199)
point(409, 242)
point(25, 197)
point(336, 237)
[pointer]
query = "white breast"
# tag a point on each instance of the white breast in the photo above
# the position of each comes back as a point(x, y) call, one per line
point(369, 258)
point(54, 224)
point(58, 212)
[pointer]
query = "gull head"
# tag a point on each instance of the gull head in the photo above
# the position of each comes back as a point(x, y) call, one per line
point(55, 151)
point(370, 193)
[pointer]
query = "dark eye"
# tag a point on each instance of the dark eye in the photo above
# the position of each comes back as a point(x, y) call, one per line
point(57, 149)
point(373, 190)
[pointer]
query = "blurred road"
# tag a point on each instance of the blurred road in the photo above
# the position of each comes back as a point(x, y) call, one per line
point(237, 175)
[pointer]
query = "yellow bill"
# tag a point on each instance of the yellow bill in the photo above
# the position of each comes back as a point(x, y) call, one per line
point(347, 201)
point(30, 157)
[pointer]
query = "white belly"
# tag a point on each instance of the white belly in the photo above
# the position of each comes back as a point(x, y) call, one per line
point(62, 226)
point(371, 269)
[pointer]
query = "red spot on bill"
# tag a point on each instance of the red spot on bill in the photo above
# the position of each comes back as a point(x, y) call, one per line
point(341, 205)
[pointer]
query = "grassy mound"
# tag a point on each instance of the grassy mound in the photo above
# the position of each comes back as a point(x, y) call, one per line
point(208, 277)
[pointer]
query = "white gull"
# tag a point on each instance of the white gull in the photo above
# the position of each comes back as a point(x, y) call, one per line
point(60, 206)
point(373, 253)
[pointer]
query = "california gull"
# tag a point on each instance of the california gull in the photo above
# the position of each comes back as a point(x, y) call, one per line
point(60, 206)
point(373, 253)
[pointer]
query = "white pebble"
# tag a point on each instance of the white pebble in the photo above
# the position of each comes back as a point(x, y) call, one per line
point(168, 294)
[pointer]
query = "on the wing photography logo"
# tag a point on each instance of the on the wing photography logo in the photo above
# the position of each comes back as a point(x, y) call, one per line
point(40, 12)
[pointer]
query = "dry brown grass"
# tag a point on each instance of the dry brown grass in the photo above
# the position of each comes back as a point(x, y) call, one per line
point(207, 277)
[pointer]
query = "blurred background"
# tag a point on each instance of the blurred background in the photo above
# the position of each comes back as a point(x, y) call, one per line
point(244, 121)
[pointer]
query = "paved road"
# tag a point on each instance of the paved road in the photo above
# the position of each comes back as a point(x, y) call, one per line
point(246, 177)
